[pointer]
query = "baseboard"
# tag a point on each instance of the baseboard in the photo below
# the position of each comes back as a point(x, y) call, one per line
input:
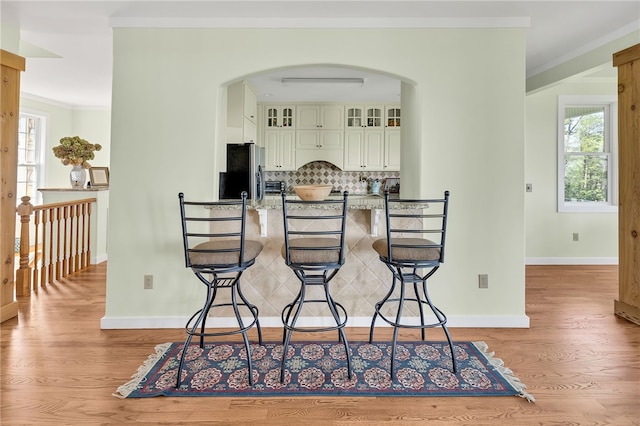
point(571, 261)
point(461, 321)
point(98, 259)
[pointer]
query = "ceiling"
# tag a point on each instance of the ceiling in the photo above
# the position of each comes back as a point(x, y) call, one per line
point(68, 44)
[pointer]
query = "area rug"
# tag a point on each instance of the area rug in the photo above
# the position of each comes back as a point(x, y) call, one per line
point(319, 369)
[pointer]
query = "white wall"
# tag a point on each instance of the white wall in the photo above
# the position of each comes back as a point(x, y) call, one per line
point(549, 234)
point(468, 90)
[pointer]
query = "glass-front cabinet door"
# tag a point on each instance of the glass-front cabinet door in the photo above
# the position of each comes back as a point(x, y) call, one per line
point(354, 117)
point(364, 116)
point(287, 116)
point(272, 118)
point(278, 116)
point(374, 117)
point(393, 116)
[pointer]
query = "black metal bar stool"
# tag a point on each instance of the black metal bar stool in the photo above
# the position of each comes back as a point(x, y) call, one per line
point(314, 248)
point(216, 250)
point(412, 260)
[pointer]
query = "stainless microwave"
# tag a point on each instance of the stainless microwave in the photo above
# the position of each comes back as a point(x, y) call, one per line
point(274, 186)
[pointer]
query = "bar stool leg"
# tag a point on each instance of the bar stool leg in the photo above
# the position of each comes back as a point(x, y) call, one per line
point(254, 309)
point(289, 326)
point(419, 300)
point(190, 333)
point(396, 328)
point(342, 336)
point(206, 309)
point(236, 311)
point(289, 322)
point(377, 307)
point(442, 319)
point(288, 308)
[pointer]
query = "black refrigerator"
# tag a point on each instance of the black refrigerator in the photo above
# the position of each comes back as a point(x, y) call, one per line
point(245, 163)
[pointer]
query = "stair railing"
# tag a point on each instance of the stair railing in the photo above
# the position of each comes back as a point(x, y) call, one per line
point(61, 242)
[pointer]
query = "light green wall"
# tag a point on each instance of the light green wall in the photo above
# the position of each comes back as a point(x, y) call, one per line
point(549, 234)
point(9, 38)
point(468, 88)
point(92, 125)
point(581, 63)
point(59, 123)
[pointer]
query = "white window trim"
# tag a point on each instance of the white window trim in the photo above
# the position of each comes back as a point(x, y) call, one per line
point(41, 163)
point(611, 124)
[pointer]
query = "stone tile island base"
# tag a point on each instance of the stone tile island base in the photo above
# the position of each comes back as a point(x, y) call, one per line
point(361, 282)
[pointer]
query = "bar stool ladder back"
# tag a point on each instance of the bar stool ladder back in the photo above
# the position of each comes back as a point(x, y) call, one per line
point(412, 260)
point(217, 252)
point(314, 248)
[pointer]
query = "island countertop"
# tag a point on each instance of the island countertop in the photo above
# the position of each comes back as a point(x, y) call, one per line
point(373, 203)
point(354, 202)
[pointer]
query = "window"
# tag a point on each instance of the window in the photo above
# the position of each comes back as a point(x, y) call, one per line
point(30, 143)
point(587, 163)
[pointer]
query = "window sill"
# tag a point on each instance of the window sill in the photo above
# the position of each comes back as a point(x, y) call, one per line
point(587, 208)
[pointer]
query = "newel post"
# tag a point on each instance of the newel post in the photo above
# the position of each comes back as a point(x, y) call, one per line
point(23, 274)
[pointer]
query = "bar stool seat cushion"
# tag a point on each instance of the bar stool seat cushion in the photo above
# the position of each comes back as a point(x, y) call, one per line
point(313, 256)
point(251, 250)
point(408, 253)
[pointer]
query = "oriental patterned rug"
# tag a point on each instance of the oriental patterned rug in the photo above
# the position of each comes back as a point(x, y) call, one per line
point(319, 369)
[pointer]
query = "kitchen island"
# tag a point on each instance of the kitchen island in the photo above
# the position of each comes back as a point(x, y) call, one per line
point(361, 282)
point(369, 202)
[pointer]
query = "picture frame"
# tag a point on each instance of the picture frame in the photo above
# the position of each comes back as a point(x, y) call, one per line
point(99, 177)
point(392, 185)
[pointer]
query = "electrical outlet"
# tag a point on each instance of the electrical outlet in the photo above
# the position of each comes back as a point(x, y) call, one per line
point(148, 282)
point(483, 281)
point(529, 187)
point(576, 236)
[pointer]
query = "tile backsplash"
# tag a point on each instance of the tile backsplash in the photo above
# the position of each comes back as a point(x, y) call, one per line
point(322, 172)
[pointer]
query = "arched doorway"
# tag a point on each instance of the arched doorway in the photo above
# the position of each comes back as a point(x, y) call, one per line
point(347, 86)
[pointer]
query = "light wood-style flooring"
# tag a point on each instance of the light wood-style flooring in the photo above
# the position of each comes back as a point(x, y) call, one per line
point(580, 362)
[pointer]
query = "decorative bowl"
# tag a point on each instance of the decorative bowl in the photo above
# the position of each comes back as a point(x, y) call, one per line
point(313, 192)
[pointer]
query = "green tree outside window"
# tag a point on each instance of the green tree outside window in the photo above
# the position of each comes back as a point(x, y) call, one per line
point(586, 158)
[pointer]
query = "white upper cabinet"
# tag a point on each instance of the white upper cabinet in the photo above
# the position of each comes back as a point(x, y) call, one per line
point(320, 117)
point(319, 139)
point(354, 137)
point(364, 117)
point(363, 150)
point(392, 117)
point(242, 112)
point(250, 104)
point(279, 117)
point(280, 150)
point(364, 145)
point(392, 150)
point(320, 127)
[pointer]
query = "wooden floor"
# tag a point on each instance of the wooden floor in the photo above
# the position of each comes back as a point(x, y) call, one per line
point(580, 362)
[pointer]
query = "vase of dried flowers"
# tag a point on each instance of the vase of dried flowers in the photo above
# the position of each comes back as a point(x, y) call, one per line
point(75, 151)
point(78, 176)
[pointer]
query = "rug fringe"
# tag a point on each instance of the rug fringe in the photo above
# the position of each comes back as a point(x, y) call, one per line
point(506, 372)
point(124, 390)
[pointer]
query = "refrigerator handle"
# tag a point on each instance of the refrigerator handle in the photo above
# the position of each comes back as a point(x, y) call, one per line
point(260, 184)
